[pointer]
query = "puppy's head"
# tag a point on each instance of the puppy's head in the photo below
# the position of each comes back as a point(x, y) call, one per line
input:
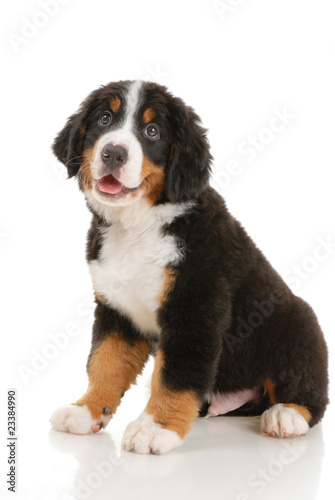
point(133, 140)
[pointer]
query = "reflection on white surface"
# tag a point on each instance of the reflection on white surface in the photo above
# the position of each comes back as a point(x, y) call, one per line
point(261, 55)
point(222, 458)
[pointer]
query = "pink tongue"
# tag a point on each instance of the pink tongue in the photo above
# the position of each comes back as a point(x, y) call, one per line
point(109, 184)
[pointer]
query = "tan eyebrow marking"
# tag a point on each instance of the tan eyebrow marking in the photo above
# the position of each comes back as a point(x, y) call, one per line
point(148, 115)
point(115, 104)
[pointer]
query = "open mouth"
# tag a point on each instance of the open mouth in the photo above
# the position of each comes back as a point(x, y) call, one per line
point(108, 185)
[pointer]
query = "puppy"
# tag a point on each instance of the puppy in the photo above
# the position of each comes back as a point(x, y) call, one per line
point(176, 275)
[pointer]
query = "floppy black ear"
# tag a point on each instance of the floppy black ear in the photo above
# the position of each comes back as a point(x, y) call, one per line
point(188, 169)
point(68, 145)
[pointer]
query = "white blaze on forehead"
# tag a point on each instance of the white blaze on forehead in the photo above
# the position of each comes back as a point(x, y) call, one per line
point(133, 98)
point(130, 173)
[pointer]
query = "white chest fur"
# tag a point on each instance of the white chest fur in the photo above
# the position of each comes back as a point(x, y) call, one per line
point(130, 270)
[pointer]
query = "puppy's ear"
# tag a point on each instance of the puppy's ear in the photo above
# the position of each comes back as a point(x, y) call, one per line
point(188, 168)
point(68, 145)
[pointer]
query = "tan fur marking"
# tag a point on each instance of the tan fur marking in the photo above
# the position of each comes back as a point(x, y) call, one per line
point(113, 366)
point(153, 177)
point(115, 104)
point(85, 173)
point(170, 276)
point(98, 295)
point(82, 130)
point(171, 152)
point(174, 410)
point(100, 298)
point(148, 115)
point(269, 388)
point(302, 410)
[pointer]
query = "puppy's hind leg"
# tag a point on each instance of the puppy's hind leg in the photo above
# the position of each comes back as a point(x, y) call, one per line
point(285, 420)
point(299, 401)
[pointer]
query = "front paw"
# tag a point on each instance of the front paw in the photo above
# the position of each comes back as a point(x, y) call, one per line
point(143, 435)
point(77, 420)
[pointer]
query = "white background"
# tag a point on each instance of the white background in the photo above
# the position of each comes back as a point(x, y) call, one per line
point(239, 63)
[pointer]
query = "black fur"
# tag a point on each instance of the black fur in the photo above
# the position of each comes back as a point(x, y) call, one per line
point(188, 170)
point(68, 145)
point(222, 277)
point(183, 148)
point(230, 322)
point(70, 142)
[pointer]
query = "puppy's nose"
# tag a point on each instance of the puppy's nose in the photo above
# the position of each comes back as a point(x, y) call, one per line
point(114, 156)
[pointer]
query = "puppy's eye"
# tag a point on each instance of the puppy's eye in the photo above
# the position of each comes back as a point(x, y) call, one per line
point(152, 132)
point(105, 118)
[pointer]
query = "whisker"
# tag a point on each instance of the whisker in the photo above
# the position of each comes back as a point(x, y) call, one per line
point(82, 174)
point(74, 158)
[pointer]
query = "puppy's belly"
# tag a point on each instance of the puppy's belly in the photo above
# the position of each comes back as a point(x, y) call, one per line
point(226, 402)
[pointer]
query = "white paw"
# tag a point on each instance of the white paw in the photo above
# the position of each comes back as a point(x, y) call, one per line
point(282, 422)
point(76, 420)
point(143, 435)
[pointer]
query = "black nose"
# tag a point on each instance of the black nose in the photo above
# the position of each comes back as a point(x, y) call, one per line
point(114, 156)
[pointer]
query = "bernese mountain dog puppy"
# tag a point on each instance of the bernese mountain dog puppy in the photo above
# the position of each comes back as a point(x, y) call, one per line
point(175, 275)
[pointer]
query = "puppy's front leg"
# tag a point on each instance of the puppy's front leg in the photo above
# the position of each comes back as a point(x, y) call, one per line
point(113, 365)
point(167, 418)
